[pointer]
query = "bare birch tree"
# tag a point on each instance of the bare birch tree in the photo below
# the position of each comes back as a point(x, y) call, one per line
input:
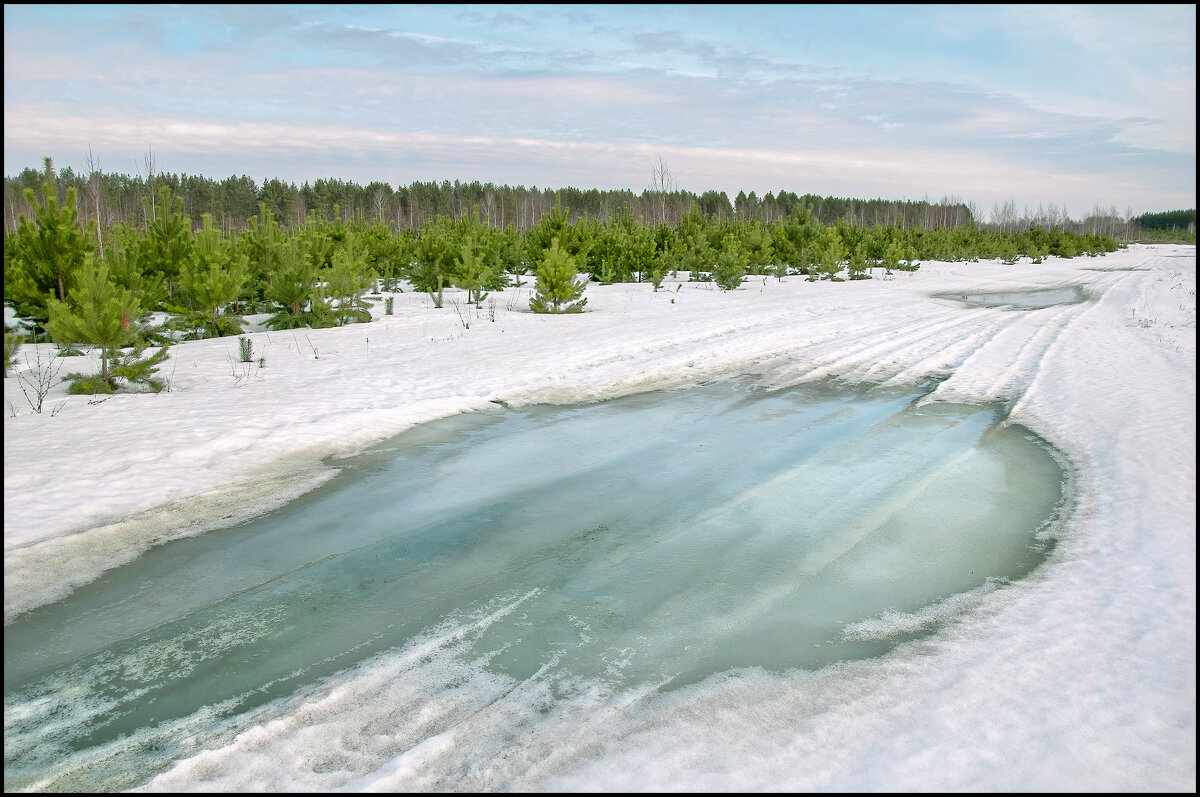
point(95, 184)
point(662, 185)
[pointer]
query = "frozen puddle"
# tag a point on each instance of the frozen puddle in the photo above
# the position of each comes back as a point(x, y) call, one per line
point(1021, 300)
point(477, 574)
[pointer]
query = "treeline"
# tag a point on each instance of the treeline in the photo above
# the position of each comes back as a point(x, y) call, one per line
point(111, 198)
point(1169, 220)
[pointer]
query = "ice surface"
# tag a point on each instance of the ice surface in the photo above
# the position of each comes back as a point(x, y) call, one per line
point(1021, 300)
point(650, 541)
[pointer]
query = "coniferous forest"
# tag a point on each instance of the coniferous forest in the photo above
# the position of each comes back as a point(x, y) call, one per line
point(88, 257)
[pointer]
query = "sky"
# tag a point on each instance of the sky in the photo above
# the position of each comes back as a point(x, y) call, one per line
point(1075, 106)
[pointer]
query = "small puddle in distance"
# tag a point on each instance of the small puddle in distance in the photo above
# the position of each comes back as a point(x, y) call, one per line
point(1035, 299)
point(656, 539)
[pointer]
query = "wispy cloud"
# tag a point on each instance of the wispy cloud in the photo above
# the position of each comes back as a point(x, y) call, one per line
point(741, 98)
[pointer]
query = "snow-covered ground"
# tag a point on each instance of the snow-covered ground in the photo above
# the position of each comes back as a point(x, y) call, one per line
point(1081, 677)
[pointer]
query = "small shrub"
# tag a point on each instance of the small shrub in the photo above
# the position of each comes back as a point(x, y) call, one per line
point(139, 370)
point(88, 385)
point(38, 378)
point(388, 304)
point(131, 366)
point(246, 349)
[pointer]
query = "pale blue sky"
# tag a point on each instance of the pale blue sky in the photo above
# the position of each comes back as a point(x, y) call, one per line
point(1071, 105)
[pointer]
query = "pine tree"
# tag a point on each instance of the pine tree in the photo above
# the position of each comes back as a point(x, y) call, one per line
point(696, 256)
point(828, 254)
point(96, 312)
point(136, 369)
point(434, 255)
point(123, 255)
point(212, 278)
point(640, 256)
point(473, 274)
point(730, 268)
point(759, 248)
point(557, 289)
point(292, 287)
point(858, 265)
point(607, 248)
point(386, 253)
point(549, 228)
point(345, 282)
point(168, 240)
point(572, 238)
point(41, 257)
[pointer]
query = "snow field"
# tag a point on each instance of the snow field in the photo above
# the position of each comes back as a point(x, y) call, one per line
point(1080, 677)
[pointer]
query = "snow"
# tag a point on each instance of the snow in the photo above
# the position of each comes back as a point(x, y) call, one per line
point(1080, 677)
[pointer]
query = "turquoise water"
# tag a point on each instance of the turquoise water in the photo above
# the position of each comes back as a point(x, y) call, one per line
point(643, 543)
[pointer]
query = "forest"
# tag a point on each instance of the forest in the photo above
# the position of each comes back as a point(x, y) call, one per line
point(112, 198)
point(89, 259)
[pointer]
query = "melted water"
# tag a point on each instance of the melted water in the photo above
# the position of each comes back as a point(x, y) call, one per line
point(647, 542)
point(1021, 300)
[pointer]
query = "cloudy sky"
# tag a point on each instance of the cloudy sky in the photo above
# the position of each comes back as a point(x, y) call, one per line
point(1071, 105)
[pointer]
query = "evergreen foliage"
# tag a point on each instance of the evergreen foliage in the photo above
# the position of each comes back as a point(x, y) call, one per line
point(557, 289)
point(571, 238)
point(98, 312)
point(293, 286)
point(261, 246)
point(729, 271)
point(639, 255)
point(41, 257)
point(346, 280)
point(433, 260)
point(124, 257)
point(258, 252)
point(828, 253)
point(13, 338)
point(138, 368)
point(858, 265)
point(472, 273)
point(211, 279)
point(1167, 220)
point(167, 244)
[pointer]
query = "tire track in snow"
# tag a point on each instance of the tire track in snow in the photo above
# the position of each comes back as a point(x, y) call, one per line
point(1014, 353)
point(951, 347)
point(910, 337)
point(1104, 290)
point(1115, 293)
point(1015, 378)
